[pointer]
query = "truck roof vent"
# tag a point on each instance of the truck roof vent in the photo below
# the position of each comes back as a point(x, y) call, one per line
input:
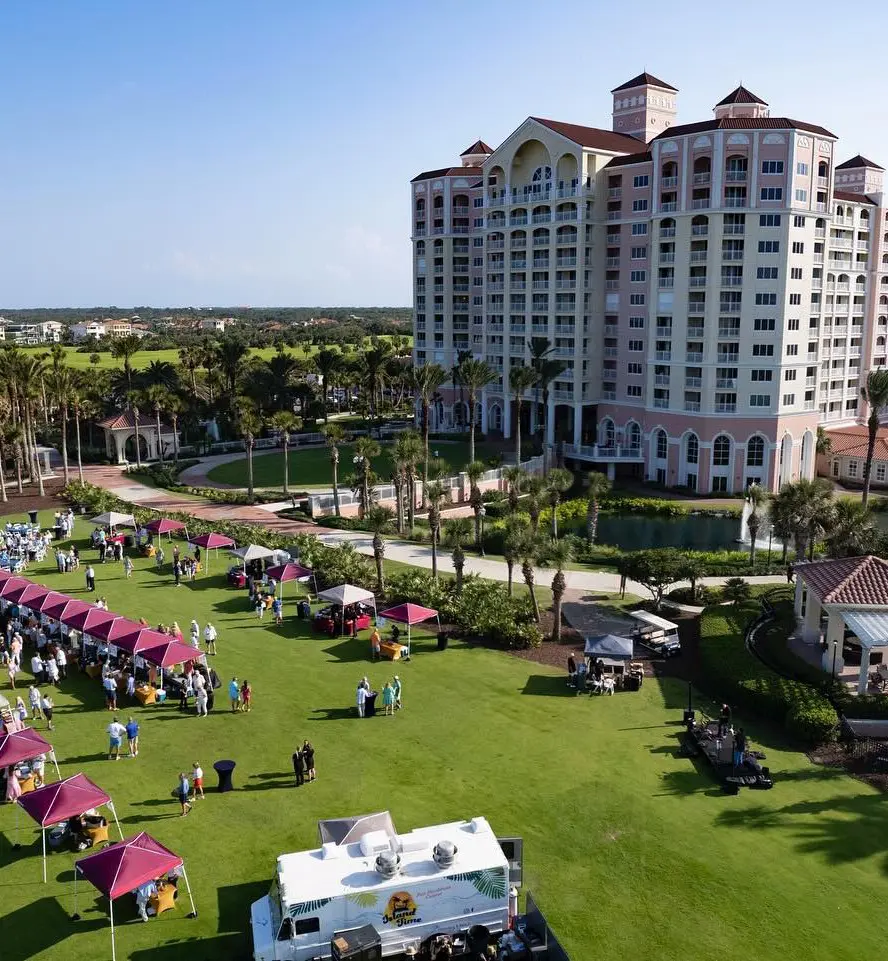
point(388, 864)
point(444, 854)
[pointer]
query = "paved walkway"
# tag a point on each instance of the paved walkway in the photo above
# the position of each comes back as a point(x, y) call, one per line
point(417, 555)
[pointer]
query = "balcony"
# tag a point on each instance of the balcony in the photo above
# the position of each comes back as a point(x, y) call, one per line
point(438, 288)
point(518, 285)
point(667, 231)
point(693, 382)
point(695, 333)
point(700, 203)
point(732, 255)
point(496, 244)
point(823, 181)
point(729, 332)
point(700, 230)
point(496, 285)
point(611, 352)
point(694, 357)
point(612, 262)
point(612, 285)
point(541, 219)
point(563, 395)
point(461, 288)
point(563, 351)
point(561, 284)
point(516, 350)
point(495, 328)
point(735, 176)
point(539, 242)
point(726, 358)
point(669, 207)
point(460, 268)
point(516, 328)
point(664, 331)
point(614, 214)
point(820, 231)
point(518, 222)
point(666, 283)
point(663, 355)
point(539, 329)
point(732, 281)
point(726, 383)
point(692, 405)
point(699, 256)
point(563, 192)
point(734, 229)
point(437, 230)
point(661, 380)
point(564, 262)
point(667, 183)
point(702, 178)
point(516, 243)
point(608, 395)
point(565, 215)
point(614, 193)
point(667, 258)
point(696, 308)
point(809, 405)
point(568, 329)
point(541, 285)
point(726, 408)
point(419, 232)
point(697, 282)
point(661, 402)
point(610, 330)
point(602, 452)
point(735, 201)
point(542, 264)
point(566, 240)
point(518, 265)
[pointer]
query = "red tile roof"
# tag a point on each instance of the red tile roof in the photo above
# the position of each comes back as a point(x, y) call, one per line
point(852, 198)
point(853, 441)
point(741, 95)
point(744, 123)
point(448, 172)
point(593, 137)
point(858, 161)
point(641, 80)
point(856, 581)
point(632, 158)
point(126, 419)
point(477, 147)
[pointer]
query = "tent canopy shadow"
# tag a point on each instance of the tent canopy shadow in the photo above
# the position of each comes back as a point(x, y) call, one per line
point(548, 685)
point(42, 925)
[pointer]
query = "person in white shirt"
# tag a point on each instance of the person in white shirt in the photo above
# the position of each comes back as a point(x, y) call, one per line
point(361, 698)
point(52, 670)
point(37, 669)
point(210, 636)
point(46, 706)
point(201, 702)
point(131, 685)
point(62, 662)
point(116, 733)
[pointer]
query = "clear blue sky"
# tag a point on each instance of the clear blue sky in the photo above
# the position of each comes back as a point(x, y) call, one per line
point(210, 152)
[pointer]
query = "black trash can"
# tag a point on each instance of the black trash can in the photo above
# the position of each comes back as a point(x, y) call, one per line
point(32, 516)
point(442, 641)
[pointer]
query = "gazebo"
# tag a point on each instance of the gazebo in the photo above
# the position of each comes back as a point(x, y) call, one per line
point(55, 803)
point(121, 428)
point(123, 867)
point(844, 598)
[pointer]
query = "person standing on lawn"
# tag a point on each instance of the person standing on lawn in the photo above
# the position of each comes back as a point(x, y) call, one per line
point(277, 608)
point(375, 644)
point(34, 700)
point(11, 671)
point(37, 669)
point(177, 572)
point(46, 705)
point(158, 557)
point(234, 695)
point(128, 567)
point(308, 759)
point(396, 687)
point(182, 790)
point(246, 695)
point(197, 779)
point(132, 737)
point(116, 732)
point(361, 697)
point(200, 701)
point(388, 699)
point(90, 578)
point(210, 636)
point(62, 662)
point(299, 767)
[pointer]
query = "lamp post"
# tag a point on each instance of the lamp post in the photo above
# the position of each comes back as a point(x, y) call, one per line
point(770, 536)
point(835, 652)
point(481, 514)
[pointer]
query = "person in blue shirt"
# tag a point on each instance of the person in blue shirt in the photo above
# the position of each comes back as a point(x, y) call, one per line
point(234, 695)
point(132, 737)
point(277, 608)
point(182, 790)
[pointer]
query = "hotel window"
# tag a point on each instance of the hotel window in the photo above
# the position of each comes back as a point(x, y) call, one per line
point(880, 472)
point(792, 350)
point(801, 196)
point(639, 253)
point(478, 202)
point(769, 220)
point(798, 221)
point(764, 323)
point(772, 166)
point(633, 390)
point(477, 241)
point(761, 375)
point(636, 345)
point(793, 324)
point(478, 222)
point(721, 451)
point(693, 449)
point(766, 273)
point(795, 273)
point(662, 445)
point(636, 300)
point(788, 400)
point(755, 452)
point(759, 400)
point(639, 230)
point(637, 276)
point(638, 205)
point(642, 180)
point(795, 300)
point(798, 247)
point(766, 300)
point(771, 193)
point(636, 323)
point(635, 369)
point(762, 350)
point(852, 468)
point(802, 169)
point(769, 246)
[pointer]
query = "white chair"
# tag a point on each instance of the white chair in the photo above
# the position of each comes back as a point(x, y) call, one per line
point(597, 684)
point(609, 685)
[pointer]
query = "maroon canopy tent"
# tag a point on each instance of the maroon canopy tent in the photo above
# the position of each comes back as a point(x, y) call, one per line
point(28, 596)
point(114, 631)
point(410, 614)
point(123, 867)
point(138, 638)
point(54, 803)
point(24, 745)
point(291, 572)
point(166, 525)
point(210, 542)
point(169, 652)
point(50, 600)
point(5, 575)
point(64, 607)
point(11, 584)
point(102, 629)
point(86, 620)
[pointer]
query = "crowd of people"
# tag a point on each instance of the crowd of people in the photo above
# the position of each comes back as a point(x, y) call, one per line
point(365, 697)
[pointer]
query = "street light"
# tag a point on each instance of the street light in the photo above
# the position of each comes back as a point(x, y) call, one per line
point(481, 514)
point(835, 651)
point(770, 535)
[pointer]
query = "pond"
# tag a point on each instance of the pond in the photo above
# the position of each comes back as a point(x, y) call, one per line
point(633, 532)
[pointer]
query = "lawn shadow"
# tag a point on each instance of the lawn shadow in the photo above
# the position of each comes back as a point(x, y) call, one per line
point(333, 713)
point(84, 758)
point(198, 949)
point(685, 781)
point(548, 685)
point(348, 651)
point(234, 902)
point(42, 925)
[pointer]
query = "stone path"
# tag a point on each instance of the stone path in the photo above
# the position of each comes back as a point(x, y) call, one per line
point(417, 555)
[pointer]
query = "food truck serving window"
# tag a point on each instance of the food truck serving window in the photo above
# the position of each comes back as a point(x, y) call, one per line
point(292, 927)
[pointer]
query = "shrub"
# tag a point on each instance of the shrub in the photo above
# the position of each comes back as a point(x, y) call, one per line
point(812, 723)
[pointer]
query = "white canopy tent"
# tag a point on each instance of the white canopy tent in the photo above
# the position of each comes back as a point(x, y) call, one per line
point(347, 594)
point(253, 552)
point(114, 519)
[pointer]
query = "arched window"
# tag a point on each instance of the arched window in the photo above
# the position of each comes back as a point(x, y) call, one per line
point(607, 432)
point(861, 279)
point(755, 452)
point(662, 445)
point(721, 451)
point(864, 216)
point(439, 246)
point(669, 169)
point(820, 223)
point(633, 435)
point(420, 248)
point(692, 449)
point(840, 211)
point(823, 169)
point(438, 202)
point(420, 206)
point(541, 174)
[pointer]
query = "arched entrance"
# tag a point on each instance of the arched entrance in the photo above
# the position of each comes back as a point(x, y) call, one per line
point(129, 448)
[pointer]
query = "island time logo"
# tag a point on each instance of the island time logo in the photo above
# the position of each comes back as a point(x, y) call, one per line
point(400, 910)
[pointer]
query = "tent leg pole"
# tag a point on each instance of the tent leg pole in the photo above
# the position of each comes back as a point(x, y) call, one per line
point(56, 764)
point(18, 815)
point(43, 837)
point(114, 812)
point(188, 888)
point(75, 916)
point(113, 948)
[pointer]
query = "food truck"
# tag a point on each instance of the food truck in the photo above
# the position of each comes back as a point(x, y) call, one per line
point(368, 892)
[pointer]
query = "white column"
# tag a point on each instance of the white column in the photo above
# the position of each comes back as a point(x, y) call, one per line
point(835, 635)
point(611, 471)
point(118, 443)
point(811, 630)
point(864, 669)
point(550, 425)
point(799, 591)
point(483, 411)
point(534, 426)
point(507, 415)
point(578, 424)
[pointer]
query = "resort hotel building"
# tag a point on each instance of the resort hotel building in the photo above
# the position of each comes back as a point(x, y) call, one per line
point(716, 290)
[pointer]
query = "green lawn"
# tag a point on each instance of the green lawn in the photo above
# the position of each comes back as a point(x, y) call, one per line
point(310, 467)
point(630, 851)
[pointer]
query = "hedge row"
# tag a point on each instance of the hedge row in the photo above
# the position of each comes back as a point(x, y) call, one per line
point(736, 674)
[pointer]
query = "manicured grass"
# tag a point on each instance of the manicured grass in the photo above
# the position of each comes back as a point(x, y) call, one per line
point(310, 467)
point(630, 850)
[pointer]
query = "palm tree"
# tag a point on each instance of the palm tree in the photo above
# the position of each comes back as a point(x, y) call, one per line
point(853, 530)
point(435, 494)
point(405, 455)
point(458, 531)
point(134, 400)
point(756, 495)
point(474, 375)
point(286, 423)
point(365, 450)
point(375, 360)
point(801, 510)
point(599, 486)
point(379, 521)
point(558, 481)
point(248, 426)
point(334, 435)
point(521, 379)
point(174, 407)
point(123, 348)
point(475, 471)
point(156, 396)
point(515, 477)
point(559, 555)
point(875, 393)
point(31, 372)
point(691, 570)
point(10, 440)
point(534, 490)
point(230, 356)
point(532, 549)
point(513, 537)
point(823, 444)
point(425, 381)
point(328, 363)
point(191, 357)
point(547, 369)
point(78, 390)
point(61, 385)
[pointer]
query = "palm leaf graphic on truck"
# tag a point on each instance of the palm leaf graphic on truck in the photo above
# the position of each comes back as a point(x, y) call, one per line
point(490, 882)
point(307, 907)
point(363, 899)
